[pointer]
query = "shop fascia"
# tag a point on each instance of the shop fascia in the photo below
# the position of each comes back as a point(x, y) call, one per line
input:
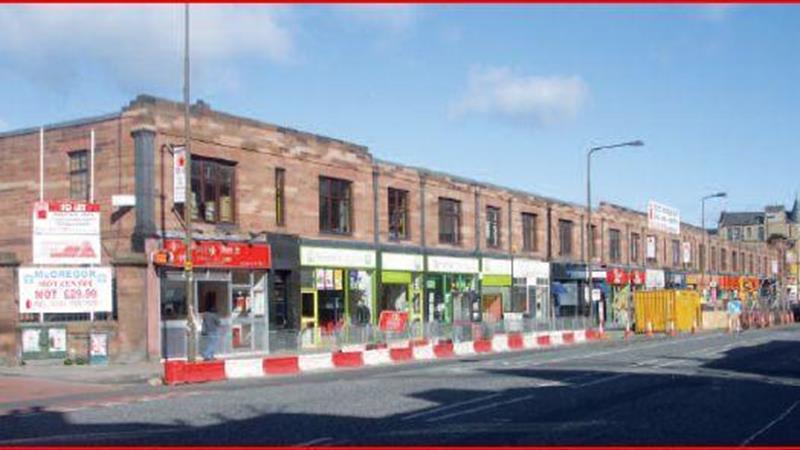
point(401, 276)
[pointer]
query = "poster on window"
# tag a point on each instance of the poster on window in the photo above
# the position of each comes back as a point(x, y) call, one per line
point(57, 338)
point(30, 340)
point(64, 290)
point(179, 175)
point(651, 247)
point(687, 252)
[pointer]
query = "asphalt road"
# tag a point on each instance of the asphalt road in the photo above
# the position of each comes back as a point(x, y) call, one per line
point(705, 389)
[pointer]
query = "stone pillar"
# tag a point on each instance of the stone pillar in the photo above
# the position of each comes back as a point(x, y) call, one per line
point(133, 297)
point(144, 158)
point(9, 310)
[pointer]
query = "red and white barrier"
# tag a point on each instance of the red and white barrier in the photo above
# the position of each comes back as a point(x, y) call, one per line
point(354, 356)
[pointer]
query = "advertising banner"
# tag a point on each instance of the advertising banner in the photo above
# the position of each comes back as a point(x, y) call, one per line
point(393, 321)
point(64, 290)
point(687, 252)
point(654, 279)
point(617, 276)
point(651, 247)
point(66, 232)
point(663, 218)
point(179, 175)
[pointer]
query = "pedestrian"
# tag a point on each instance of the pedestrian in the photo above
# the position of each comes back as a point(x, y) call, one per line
point(734, 312)
point(210, 328)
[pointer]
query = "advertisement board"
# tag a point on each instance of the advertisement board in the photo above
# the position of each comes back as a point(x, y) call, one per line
point(64, 290)
point(654, 279)
point(179, 175)
point(663, 218)
point(66, 232)
point(393, 321)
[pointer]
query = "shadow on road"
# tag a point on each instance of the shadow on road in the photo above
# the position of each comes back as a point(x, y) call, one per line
point(550, 406)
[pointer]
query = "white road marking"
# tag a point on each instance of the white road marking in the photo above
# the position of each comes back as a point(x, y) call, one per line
point(313, 442)
point(770, 425)
point(450, 406)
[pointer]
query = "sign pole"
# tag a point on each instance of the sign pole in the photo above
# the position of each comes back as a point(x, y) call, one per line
point(91, 163)
point(191, 347)
point(41, 164)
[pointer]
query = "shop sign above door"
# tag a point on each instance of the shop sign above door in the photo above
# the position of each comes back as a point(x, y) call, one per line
point(494, 266)
point(215, 254)
point(336, 257)
point(451, 264)
point(402, 261)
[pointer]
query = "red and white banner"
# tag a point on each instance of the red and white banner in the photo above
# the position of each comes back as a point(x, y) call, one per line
point(66, 232)
point(64, 290)
point(179, 175)
point(393, 321)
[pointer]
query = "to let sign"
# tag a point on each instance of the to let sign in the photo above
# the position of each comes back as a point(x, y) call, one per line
point(64, 290)
point(66, 232)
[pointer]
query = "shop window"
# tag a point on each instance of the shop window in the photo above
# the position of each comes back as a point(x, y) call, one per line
point(398, 214)
point(335, 205)
point(676, 253)
point(449, 221)
point(360, 297)
point(173, 299)
point(635, 242)
point(280, 197)
point(565, 237)
point(279, 311)
point(614, 245)
point(529, 241)
point(492, 226)
point(213, 198)
point(79, 175)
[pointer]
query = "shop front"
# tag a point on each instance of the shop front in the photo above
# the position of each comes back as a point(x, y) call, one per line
point(675, 280)
point(496, 290)
point(570, 291)
point(531, 288)
point(451, 289)
point(619, 296)
point(401, 284)
point(230, 279)
point(337, 287)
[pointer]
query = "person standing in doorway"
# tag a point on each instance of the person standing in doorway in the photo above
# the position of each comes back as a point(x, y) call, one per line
point(210, 327)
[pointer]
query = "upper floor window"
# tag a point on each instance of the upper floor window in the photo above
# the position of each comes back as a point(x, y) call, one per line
point(593, 241)
point(723, 259)
point(335, 206)
point(398, 214)
point(714, 258)
point(635, 247)
point(702, 256)
point(761, 233)
point(449, 221)
point(280, 196)
point(79, 175)
point(565, 237)
point(652, 248)
point(613, 245)
point(492, 226)
point(751, 264)
point(676, 253)
point(529, 242)
point(213, 197)
point(734, 262)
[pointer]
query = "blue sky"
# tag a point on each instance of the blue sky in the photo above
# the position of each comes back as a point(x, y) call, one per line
point(507, 94)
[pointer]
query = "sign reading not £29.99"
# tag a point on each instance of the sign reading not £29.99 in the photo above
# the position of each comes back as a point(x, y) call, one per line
point(64, 289)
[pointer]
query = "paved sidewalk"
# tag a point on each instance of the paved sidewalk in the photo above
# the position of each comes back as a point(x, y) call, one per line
point(112, 374)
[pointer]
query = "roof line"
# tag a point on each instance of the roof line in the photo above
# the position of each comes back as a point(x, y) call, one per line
point(59, 125)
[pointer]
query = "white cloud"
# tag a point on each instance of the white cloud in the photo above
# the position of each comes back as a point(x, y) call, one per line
point(137, 46)
point(531, 100)
point(393, 18)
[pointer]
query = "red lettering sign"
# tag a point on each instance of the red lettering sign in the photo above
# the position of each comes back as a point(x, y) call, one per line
point(218, 254)
point(616, 276)
point(393, 321)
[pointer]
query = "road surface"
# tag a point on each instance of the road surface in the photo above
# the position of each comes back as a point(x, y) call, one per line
point(704, 389)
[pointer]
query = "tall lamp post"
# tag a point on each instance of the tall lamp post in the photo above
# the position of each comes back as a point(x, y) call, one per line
point(589, 233)
point(188, 205)
point(705, 232)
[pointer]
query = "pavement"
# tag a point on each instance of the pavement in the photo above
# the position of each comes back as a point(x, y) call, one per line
point(706, 389)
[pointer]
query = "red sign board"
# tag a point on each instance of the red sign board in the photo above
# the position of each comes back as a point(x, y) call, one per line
point(637, 277)
point(617, 276)
point(216, 254)
point(393, 321)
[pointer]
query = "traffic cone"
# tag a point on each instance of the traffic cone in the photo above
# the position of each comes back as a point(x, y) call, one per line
point(649, 329)
point(672, 328)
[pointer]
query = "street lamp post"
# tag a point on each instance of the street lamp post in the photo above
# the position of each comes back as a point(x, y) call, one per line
point(191, 343)
point(705, 232)
point(589, 234)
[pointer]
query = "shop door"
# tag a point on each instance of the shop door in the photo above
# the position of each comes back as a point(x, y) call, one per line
point(492, 305)
point(309, 317)
point(212, 297)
